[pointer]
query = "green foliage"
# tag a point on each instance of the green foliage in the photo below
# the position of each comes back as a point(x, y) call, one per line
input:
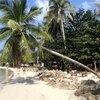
point(4, 33)
point(58, 13)
point(19, 32)
point(83, 37)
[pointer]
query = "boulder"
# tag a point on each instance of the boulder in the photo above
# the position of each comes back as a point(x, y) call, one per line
point(89, 89)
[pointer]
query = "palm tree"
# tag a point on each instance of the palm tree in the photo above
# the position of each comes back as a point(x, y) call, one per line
point(54, 22)
point(18, 31)
point(58, 12)
point(71, 60)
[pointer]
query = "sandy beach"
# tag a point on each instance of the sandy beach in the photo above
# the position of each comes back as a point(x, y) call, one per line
point(26, 87)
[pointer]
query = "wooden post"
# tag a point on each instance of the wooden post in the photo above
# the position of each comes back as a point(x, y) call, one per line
point(95, 67)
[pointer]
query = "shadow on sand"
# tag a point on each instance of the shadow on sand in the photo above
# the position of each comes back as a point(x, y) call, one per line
point(26, 80)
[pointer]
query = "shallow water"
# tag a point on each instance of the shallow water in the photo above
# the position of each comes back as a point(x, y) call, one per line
point(4, 75)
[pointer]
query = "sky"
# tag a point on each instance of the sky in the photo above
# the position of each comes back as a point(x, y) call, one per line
point(86, 4)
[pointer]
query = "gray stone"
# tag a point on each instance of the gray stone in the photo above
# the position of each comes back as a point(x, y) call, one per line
point(97, 97)
point(85, 87)
point(58, 78)
point(82, 98)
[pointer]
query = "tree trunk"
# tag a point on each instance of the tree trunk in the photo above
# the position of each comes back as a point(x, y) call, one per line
point(63, 33)
point(16, 55)
point(73, 61)
point(95, 66)
point(37, 58)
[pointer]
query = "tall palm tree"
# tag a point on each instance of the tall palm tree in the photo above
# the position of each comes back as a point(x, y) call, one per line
point(54, 23)
point(58, 12)
point(18, 31)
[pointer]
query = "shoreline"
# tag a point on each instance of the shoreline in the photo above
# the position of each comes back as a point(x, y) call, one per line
point(8, 77)
point(4, 82)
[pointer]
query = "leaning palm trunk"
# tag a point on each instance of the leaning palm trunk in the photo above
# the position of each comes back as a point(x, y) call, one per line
point(74, 61)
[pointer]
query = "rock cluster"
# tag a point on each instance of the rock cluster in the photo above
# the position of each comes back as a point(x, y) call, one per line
point(89, 89)
point(60, 79)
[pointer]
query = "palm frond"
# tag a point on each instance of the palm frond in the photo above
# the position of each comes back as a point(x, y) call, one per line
point(25, 49)
point(19, 9)
point(6, 7)
point(32, 14)
point(14, 25)
point(48, 20)
point(4, 33)
point(45, 35)
point(23, 10)
point(31, 27)
point(6, 53)
point(32, 41)
point(37, 32)
point(2, 21)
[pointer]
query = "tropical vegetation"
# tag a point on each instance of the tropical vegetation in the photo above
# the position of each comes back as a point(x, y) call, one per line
point(19, 30)
point(75, 34)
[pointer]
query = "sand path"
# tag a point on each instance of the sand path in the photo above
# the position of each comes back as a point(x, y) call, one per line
point(26, 87)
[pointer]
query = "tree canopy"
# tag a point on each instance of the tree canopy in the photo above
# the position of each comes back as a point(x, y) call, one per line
point(19, 31)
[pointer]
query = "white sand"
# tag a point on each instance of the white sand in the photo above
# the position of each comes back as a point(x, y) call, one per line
point(26, 87)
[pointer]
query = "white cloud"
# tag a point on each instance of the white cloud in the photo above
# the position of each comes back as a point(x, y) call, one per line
point(97, 1)
point(86, 5)
point(44, 4)
point(94, 1)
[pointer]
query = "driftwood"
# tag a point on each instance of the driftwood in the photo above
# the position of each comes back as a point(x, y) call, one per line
point(71, 60)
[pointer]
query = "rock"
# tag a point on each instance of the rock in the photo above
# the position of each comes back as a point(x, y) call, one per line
point(89, 89)
point(96, 91)
point(88, 82)
point(97, 97)
point(77, 98)
point(59, 79)
point(85, 87)
point(89, 96)
point(82, 98)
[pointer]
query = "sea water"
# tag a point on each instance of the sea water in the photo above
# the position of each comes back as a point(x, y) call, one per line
point(4, 75)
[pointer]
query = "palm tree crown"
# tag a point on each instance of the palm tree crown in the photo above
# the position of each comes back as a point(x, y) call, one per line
point(18, 31)
point(58, 12)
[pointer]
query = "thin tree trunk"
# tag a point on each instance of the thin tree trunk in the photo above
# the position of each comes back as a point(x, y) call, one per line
point(62, 26)
point(37, 58)
point(95, 66)
point(74, 61)
point(63, 33)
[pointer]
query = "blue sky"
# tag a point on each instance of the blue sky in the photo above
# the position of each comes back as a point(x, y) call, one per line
point(86, 4)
